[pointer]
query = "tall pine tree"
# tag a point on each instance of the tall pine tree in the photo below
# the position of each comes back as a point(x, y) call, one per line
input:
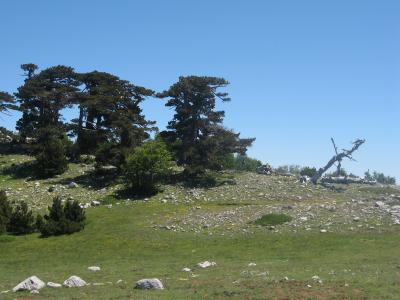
point(195, 132)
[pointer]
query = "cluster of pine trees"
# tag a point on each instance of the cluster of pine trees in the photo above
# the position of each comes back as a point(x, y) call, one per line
point(110, 122)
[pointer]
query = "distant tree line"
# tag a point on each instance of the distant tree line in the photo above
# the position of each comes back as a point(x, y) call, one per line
point(111, 125)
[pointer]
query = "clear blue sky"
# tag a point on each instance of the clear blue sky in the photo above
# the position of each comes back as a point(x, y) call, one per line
point(300, 71)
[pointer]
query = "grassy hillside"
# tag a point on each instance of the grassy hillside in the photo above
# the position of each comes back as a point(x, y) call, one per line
point(339, 235)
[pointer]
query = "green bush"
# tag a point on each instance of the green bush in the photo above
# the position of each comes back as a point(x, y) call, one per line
point(307, 171)
point(147, 166)
point(273, 219)
point(110, 154)
point(245, 163)
point(62, 219)
point(5, 212)
point(292, 169)
point(51, 151)
point(22, 220)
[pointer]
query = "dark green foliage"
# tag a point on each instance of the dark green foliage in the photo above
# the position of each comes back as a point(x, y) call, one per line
point(148, 165)
point(380, 177)
point(308, 171)
point(22, 220)
point(6, 102)
point(43, 96)
point(245, 163)
point(109, 112)
point(51, 151)
point(195, 133)
point(62, 219)
point(16, 220)
point(110, 153)
point(5, 212)
point(273, 219)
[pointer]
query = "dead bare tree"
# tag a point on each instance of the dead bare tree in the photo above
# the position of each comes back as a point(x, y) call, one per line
point(338, 158)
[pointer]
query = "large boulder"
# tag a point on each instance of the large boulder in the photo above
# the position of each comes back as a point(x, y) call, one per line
point(74, 281)
point(30, 284)
point(149, 284)
point(265, 169)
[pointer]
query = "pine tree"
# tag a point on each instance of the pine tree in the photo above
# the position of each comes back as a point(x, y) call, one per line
point(195, 132)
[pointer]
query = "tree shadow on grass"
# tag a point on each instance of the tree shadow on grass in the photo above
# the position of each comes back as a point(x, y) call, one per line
point(22, 170)
point(93, 180)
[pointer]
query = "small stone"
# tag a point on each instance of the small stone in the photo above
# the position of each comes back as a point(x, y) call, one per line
point(323, 231)
point(53, 285)
point(94, 268)
point(95, 203)
point(186, 270)
point(34, 292)
point(72, 185)
point(252, 264)
point(147, 284)
point(206, 264)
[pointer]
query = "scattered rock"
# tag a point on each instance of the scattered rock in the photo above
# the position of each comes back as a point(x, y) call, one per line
point(94, 268)
point(149, 284)
point(206, 264)
point(53, 285)
point(252, 264)
point(72, 185)
point(29, 284)
point(34, 292)
point(74, 281)
point(323, 231)
point(95, 203)
point(186, 270)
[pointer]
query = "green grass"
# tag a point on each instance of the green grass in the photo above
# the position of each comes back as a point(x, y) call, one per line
point(128, 243)
point(273, 219)
point(122, 242)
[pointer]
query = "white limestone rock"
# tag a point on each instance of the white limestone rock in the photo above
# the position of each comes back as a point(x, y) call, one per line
point(29, 284)
point(74, 281)
point(149, 284)
point(94, 268)
point(206, 264)
point(53, 285)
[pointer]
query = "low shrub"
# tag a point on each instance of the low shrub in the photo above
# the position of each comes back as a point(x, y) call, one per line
point(307, 171)
point(61, 219)
point(22, 220)
point(5, 212)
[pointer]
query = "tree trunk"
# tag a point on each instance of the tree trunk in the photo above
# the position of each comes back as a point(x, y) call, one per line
point(337, 158)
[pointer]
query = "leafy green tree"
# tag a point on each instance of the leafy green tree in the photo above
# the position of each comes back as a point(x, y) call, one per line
point(147, 166)
point(5, 212)
point(195, 132)
point(62, 219)
point(22, 220)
